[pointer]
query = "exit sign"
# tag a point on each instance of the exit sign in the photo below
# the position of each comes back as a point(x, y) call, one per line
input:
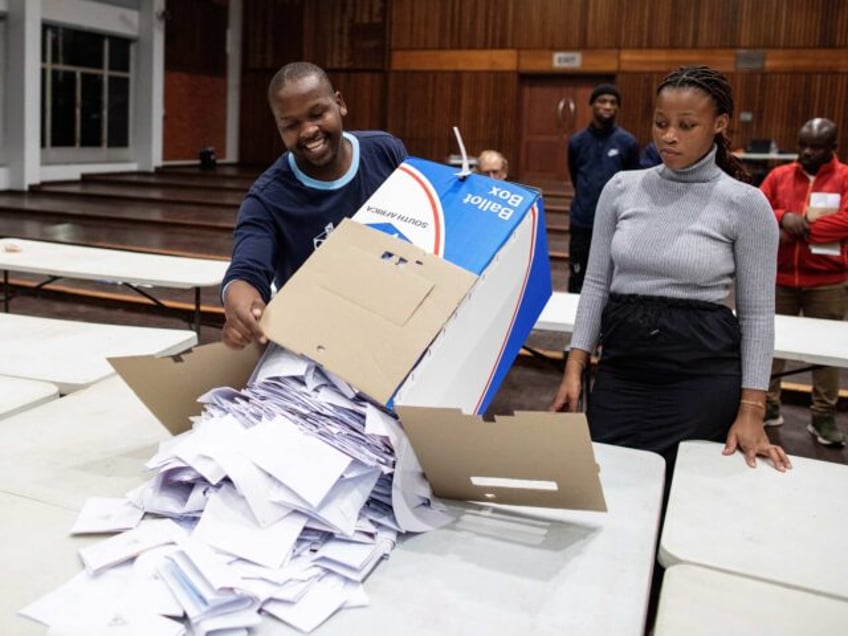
point(567, 59)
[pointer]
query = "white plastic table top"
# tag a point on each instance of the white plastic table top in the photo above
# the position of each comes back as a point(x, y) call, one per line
point(494, 571)
point(700, 601)
point(18, 394)
point(784, 528)
point(111, 265)
point(37, 554)
point(810, 340)
point(72, 354)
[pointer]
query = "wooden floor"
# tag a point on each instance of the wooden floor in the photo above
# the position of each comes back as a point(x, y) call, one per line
point(186, 211)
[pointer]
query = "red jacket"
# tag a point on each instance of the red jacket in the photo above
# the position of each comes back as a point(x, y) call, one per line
point(788, 189)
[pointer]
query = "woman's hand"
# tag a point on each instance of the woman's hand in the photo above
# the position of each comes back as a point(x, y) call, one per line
point(568, 395)
point(748, 435)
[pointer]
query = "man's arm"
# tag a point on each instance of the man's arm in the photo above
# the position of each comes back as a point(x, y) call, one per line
point(833, 227)
point(792, 224)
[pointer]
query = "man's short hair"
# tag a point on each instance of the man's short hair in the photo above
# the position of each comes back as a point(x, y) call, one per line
point(297, 71)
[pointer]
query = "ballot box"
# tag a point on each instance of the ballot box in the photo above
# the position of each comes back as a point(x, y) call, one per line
point(424, 298)
point(421, 302)
point(434, 312)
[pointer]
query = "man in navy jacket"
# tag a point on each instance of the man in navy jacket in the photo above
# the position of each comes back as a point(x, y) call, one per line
point(325, 175)
point(595, 154)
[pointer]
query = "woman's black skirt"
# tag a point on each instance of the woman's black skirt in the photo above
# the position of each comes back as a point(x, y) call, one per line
point(669, 371)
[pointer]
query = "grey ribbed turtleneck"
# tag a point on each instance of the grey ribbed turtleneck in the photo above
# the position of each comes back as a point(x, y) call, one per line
point(685, 234)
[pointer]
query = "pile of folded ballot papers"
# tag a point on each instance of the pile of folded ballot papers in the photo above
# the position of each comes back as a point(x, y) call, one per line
point(279, 501)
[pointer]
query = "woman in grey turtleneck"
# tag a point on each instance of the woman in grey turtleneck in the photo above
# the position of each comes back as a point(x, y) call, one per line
point(668, 244)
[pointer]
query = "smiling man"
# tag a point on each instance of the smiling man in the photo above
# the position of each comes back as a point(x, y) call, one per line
point(595, 154)
point(324, 176)
point(810, 200)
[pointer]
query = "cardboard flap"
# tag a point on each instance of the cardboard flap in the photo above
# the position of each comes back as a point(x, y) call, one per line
point(527, 459)
point(364, 315)
point(390, 276)
point(170, 385)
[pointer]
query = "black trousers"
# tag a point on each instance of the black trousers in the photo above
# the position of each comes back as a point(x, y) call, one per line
point(669, 371)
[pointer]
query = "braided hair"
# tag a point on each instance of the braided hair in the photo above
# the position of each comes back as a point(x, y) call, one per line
point(714, 84)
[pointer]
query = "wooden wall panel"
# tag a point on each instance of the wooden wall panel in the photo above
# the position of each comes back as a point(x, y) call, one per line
point(788, 100)
point(271, 34)
point(259, 141)
point(668, 59)
point(453, 24)
point(449, 60)
point(637, 102)
point(423, 107)
point(348, 34)
point(365, 96)
point(658, 24)
point(446, 62)
point(550, 24)
point(790, 23)
point(716, 24)
point(191, 49)
point(603, 23)
point(806, 60)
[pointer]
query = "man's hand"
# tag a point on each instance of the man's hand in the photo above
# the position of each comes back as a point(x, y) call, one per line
point(243, 308)
point(795, 225)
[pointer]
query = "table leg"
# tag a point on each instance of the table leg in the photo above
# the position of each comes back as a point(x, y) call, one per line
point(197, 312)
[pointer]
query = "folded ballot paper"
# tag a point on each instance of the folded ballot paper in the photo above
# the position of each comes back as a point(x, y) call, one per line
point(280, 499)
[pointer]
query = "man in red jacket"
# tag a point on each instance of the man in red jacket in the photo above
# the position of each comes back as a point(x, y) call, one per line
point(810, 201)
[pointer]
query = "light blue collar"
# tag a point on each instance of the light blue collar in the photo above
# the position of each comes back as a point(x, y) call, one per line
point(337, 183)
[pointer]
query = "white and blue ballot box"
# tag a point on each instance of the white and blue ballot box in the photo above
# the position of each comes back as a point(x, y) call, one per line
point(432, 308)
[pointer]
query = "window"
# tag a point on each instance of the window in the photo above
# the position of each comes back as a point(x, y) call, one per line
point(85, 96)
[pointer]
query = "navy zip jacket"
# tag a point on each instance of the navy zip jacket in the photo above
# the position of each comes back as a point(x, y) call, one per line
point(594, 156)
point(286, 214)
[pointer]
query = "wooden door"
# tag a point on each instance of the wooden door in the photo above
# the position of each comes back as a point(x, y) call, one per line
point(552, 109)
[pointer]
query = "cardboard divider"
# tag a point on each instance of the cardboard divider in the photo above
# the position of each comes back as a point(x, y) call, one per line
point(456, 450)
point(170, 385)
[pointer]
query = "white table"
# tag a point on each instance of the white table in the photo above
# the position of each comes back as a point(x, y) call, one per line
point(90, 443)
point(18, 394)
point(136, 270)
point(766, 156)
point(38, 555)
point(699, 601)
point(787, 528)
point(503, 571)
point(810, 340)
point(559, 313)
point(72, 354)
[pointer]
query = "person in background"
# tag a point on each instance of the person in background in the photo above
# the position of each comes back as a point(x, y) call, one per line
point(324, 175)
point(493, 164)
point(676, 363)
point(650, 156)
point(810, 200)
point(595, 154)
